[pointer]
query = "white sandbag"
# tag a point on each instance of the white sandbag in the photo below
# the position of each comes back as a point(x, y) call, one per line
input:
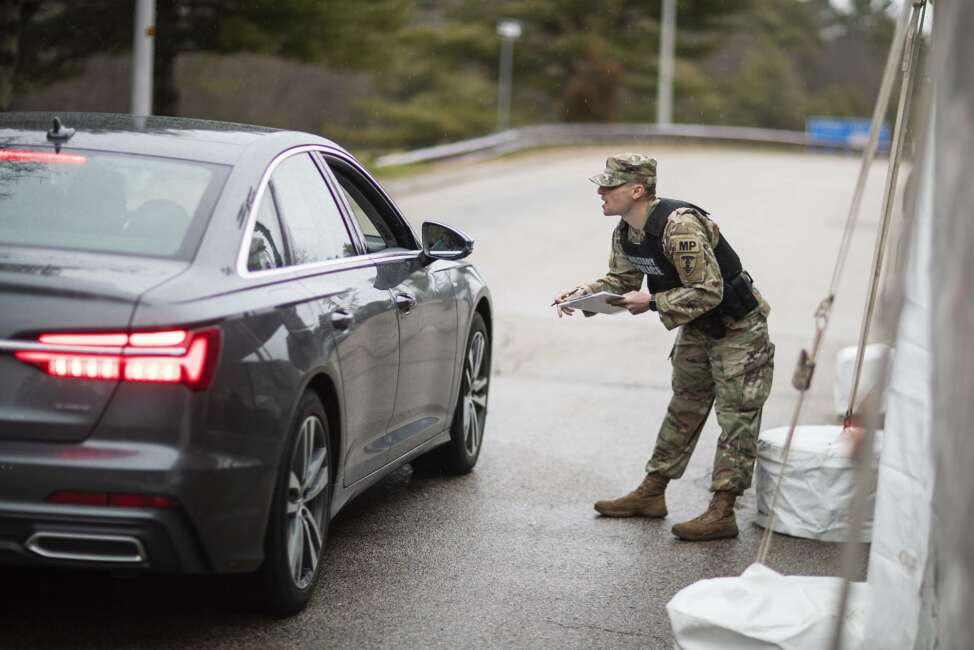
point(870, 380)
point(818, 483)
point(762, 609)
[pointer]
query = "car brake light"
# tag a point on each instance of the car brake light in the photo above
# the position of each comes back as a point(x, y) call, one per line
point(170, 357)
point(14, 155)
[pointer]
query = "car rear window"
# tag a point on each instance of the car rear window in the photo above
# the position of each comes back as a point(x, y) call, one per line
point(105, 202)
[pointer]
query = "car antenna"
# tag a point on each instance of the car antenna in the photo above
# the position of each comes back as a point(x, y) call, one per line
point(59, 134)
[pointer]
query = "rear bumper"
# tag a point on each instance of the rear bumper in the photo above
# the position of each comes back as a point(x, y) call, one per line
point(216, 526)
point(74, 536)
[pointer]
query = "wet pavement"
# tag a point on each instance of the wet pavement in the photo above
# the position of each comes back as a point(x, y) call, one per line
point(513, 555)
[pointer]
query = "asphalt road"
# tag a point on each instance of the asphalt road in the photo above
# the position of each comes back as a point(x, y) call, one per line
point(513, 554)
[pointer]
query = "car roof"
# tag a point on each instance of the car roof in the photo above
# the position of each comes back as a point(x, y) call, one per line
point(178, 137)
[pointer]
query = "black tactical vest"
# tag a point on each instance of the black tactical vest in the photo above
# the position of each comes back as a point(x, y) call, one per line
point(661, 275)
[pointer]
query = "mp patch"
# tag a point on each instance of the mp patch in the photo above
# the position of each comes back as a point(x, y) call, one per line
point(686, 245)
point(687, 253)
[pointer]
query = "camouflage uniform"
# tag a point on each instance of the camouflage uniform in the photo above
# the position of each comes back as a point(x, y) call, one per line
point(735, 370)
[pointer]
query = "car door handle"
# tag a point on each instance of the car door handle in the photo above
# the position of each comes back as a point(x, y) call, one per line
point(405, 302)
point(341, 319)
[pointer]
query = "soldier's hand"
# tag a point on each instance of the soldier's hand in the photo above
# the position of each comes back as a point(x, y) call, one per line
point(577, 292)
point(635, 302)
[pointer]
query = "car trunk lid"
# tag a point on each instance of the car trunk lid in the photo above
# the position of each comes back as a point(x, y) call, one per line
point(56, 291)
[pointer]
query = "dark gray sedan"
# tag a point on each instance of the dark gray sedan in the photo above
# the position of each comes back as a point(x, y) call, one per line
point(212, 337)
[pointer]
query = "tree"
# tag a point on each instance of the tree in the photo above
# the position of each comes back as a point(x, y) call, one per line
point(428, 69)
point(768, 91)
point(564, 42)
point(591, 93)
point(435, 89)
point(55, 37)
point(10, 13)
point(328, 32)
point(43, 41)
point(784, 60)
point(574, 62)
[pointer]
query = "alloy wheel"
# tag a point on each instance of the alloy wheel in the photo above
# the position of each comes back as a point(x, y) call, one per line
point(476, 380)
point(306, 496)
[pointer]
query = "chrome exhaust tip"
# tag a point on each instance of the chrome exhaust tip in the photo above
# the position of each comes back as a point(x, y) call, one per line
point(84, 547)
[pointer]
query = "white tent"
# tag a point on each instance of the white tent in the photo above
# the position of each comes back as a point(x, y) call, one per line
point(921, 564)
point(922, 558)
point(901, 524)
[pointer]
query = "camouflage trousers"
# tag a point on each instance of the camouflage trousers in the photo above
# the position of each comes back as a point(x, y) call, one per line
point(736, 371)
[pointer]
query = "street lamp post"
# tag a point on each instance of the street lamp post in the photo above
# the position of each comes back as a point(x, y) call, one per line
point(142, 55)
point(509, 31)
point(667, 42)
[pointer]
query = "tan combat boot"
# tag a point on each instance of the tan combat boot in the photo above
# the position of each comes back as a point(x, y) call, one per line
point(717, 522)
point(647, 500)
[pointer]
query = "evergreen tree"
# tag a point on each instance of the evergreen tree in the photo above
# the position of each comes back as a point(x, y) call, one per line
point(55, 37)
point(432, 65)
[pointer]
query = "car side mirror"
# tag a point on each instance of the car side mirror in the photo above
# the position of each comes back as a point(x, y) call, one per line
point(444, 243)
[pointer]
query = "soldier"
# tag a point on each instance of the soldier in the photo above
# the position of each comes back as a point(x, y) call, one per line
point(722, 350)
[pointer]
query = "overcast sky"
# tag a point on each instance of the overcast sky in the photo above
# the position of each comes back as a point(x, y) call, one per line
point(844, 4)
point(895, 10)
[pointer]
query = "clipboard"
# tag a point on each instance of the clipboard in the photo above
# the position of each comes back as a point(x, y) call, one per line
point(595, 302)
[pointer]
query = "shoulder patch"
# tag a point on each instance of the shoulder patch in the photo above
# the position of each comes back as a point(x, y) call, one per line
point(687, 257)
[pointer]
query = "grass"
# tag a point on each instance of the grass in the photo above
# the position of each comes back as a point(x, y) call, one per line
point(395, 172)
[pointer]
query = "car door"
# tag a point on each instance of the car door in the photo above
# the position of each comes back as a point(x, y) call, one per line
point(350, 301)
point(426, 309)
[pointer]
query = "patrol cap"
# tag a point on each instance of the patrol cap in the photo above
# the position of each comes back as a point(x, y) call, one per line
point(627, 168)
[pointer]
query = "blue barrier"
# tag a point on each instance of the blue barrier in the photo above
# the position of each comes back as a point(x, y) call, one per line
point(844, 132)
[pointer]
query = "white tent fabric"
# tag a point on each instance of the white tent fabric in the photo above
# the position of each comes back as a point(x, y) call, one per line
point(762, 609)
point(901, 528)
point(818, 483)
point(870, 380)
point(950, 574)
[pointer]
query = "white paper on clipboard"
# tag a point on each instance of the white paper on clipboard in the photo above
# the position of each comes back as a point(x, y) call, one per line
point(595, 302)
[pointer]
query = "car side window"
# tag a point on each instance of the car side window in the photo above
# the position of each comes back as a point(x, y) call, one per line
point(312, 219)
point(381, 229)
point(267, 243)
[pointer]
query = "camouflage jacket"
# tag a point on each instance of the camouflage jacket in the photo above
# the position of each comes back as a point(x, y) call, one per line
point(702, 288)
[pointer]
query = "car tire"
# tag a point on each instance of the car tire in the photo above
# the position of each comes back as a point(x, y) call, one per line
point(460, 454)
point(300, 514)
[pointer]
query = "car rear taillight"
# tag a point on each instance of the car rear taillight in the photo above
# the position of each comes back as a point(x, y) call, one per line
point(167, 357)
